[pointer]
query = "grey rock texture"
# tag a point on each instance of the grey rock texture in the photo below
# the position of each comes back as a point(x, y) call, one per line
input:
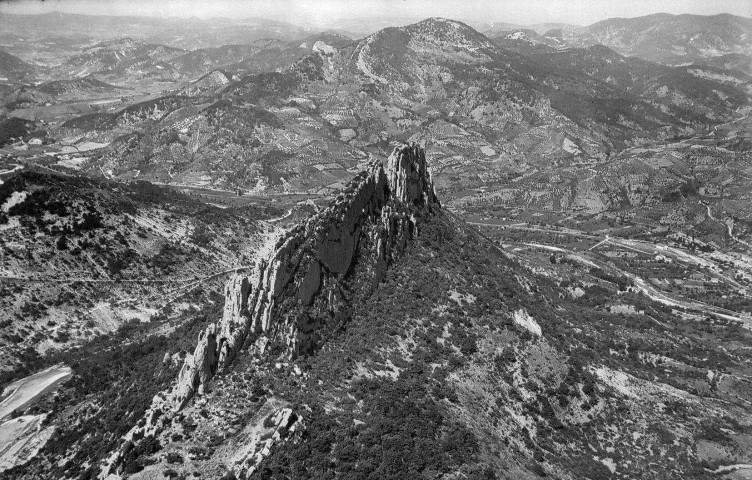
point(296, 295)
point(303, 290)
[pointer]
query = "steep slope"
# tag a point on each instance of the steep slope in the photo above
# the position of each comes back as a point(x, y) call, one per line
point(13, 68)
point(80, 258)
point(731, 61)
point(457, 361)
point(403, 57)
point(325, 266)
point(366, 228)
point(305, 289)
point(79, 89)
point(683, 96)
point(122, 59)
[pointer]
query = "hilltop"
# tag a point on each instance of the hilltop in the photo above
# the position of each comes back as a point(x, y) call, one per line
point(661, 37)
point(491, 112)
point(236, 274)
point(672, 39)
point(460, 358)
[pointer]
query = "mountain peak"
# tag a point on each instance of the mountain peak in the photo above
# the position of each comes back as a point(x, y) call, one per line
point(672, 39)
point(441, 25)
point(332, 237)
point(448, 33)
point(298, 294)
point(442, 21)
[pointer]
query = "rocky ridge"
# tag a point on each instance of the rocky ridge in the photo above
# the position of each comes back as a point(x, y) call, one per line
point(303, 290)
point(298, 290)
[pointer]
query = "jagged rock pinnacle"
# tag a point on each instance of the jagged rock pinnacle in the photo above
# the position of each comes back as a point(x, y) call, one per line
point(408, 176)
point(297, 290)
point(301, 291)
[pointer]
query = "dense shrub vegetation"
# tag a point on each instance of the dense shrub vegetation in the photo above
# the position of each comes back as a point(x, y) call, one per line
point(118, 375)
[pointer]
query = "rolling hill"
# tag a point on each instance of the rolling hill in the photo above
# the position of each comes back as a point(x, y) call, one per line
point(95, 255)
point(437, 80)
point(671, 39)
point(13, 69)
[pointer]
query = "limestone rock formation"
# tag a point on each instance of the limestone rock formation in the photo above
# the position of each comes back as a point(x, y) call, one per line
point(295, 296)
point(409, 177)
point(303, 289)
point(287, 426)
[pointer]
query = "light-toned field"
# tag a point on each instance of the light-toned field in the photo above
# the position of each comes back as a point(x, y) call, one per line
point(25, 390)
point(22, 437)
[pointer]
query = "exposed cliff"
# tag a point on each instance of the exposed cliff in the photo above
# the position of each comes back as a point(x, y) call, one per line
point(304, 288)
point(297, 294)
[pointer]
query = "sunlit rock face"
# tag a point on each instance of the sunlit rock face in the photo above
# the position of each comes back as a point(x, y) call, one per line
point(297, 295)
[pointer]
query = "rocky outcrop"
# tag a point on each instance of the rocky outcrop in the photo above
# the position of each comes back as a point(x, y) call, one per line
point(409, 178)
point(303, 289)
point(286, 425)
point(296, 295)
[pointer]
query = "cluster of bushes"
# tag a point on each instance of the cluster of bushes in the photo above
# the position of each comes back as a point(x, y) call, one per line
point(621, 281)
point(401, 428)
point(11, 128)
point(118, 374)
point(50, 194)
point(405, 435)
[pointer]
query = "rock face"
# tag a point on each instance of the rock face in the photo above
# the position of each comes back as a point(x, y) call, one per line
point(304, 288)
point(409, 178)
point(286, 426)
point(296, 296)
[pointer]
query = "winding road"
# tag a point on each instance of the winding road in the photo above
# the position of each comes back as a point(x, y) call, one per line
point(639, 246)
point(729, 225)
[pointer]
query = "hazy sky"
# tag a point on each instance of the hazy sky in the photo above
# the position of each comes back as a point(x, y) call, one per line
point(324, 13)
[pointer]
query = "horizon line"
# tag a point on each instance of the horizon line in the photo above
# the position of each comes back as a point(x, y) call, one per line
point(334, 24)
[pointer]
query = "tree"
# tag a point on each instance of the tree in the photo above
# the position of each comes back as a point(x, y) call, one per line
point(62, 242)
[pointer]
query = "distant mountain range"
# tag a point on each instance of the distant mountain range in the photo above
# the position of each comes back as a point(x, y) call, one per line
point(270, 114)
point(187, 33)
point(731, 61)
point(325, 97)
point(125, 60)
point(551, 279)
point(673, 38)
point(663, 38)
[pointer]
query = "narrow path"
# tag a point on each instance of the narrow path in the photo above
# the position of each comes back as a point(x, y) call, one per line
point(602, 242)
point(275, 220)
point(731, 468)
point(122, 280)
point(174, 294)
point(729, 225)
